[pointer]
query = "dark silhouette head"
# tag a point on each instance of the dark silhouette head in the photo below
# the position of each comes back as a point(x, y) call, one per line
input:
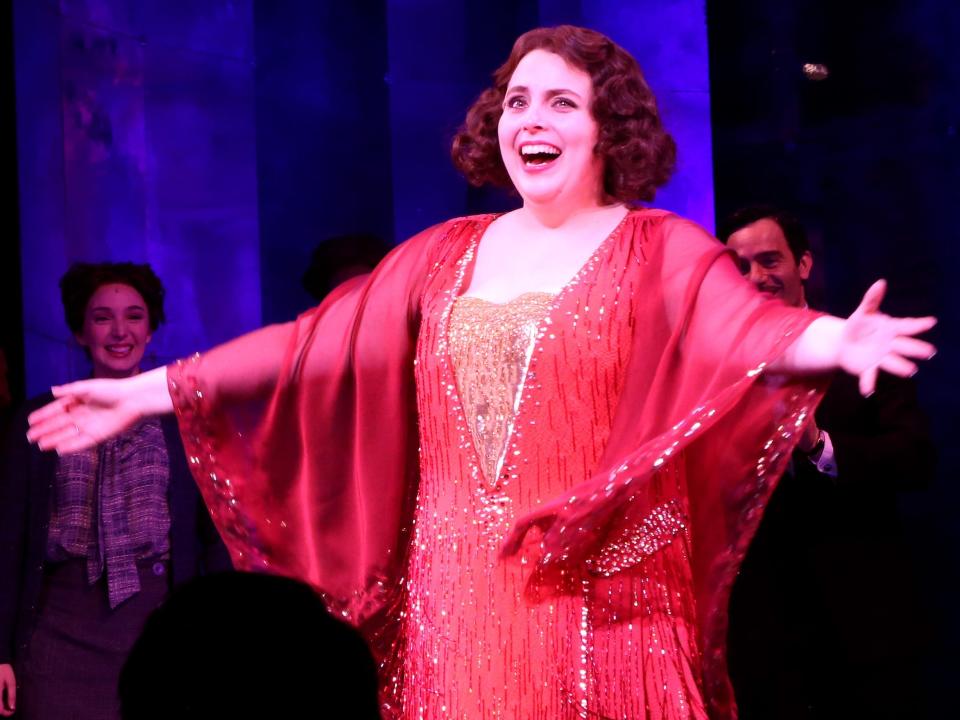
point(245, 645)
point(341, 257)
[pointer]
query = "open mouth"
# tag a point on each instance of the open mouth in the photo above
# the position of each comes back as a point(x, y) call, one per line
point(540, 154)
point(119, 351)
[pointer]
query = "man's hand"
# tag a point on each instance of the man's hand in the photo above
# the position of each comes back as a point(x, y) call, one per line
point(8, 690)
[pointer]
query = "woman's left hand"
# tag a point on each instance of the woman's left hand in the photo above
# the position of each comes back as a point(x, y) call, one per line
point(871, 341)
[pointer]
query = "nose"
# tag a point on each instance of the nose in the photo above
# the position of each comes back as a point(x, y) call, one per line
point(118, 328)
point(757, 274)
point(532, 119)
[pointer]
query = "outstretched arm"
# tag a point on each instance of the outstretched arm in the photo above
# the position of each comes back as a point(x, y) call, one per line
point(862, 345)
point(88, 412)
point(718, 300)
point(721, 331)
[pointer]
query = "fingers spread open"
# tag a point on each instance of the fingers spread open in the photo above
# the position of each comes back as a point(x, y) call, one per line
point(868, 381)
point(58, 438)
point(873, 297)
point(51, 409)
point(914, 326)
point(55, 423)
point(896, 365)
point(912, 347)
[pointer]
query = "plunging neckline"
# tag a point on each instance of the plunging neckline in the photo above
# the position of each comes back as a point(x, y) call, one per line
point(490, 346)
point(464, 277)
point(470, 257)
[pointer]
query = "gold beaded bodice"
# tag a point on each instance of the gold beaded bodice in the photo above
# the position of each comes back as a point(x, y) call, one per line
point(490, 347)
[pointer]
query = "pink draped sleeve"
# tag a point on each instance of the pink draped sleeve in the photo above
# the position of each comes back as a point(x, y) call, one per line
point(695, 398)
point(314, 476)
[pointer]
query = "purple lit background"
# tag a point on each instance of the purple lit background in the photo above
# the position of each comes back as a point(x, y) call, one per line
point(222, 140)
point(136, 136)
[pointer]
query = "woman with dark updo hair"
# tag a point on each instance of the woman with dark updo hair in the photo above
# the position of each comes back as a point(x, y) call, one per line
point(91, 542)
point(526, 454)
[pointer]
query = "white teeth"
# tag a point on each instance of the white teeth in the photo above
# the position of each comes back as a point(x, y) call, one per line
point(539, 150)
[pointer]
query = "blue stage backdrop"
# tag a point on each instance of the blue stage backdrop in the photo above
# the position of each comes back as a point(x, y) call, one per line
point(137, 141)
point(221, 140)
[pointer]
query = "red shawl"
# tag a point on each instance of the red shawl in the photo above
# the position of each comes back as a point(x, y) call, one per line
point(316, 477)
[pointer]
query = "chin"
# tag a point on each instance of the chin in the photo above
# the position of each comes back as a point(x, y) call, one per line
point(115, 370)
point(539, 198)
point(537, 193)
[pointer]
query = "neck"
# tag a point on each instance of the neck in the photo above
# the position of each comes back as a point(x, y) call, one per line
point(551, 216)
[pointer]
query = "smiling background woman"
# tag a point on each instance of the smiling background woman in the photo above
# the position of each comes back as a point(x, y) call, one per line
point(527, 453)
point(89, 542)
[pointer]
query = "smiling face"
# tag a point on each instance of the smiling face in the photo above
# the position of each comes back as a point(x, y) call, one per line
point(116, 330)
point(767, 262)
point(548, 135)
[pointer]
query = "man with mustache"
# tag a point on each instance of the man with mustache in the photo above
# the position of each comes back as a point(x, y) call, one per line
point(824, 618)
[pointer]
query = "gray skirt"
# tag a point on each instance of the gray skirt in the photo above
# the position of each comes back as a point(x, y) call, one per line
point(74, 656)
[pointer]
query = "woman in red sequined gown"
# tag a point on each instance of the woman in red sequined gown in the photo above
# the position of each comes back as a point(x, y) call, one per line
point(526, 454)
point(517, 401)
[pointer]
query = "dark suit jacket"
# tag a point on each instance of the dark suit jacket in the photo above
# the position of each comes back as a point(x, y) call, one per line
point(824, 622)
point(26, 482)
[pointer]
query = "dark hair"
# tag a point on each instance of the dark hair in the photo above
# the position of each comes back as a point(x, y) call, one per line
point(638, 153)
point(333, 256)
point(243, 645)
point(792, 228)
point(81, 281)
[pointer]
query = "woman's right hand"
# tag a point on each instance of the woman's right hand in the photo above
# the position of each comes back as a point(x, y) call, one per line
point(8, 690)
point(88, 412)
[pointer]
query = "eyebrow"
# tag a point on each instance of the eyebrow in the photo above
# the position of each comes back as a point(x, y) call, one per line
point(550, 93)
point(104, 308)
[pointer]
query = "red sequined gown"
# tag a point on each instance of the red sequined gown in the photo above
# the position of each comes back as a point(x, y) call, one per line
point(627, 407)
point(516, 403)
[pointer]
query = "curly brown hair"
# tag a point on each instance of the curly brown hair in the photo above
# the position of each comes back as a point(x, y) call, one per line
point(639, 154)
point(81, 281)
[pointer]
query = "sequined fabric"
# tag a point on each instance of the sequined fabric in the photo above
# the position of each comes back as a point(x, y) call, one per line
point(516, 403)
point(491, 346)
point(645, 440)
